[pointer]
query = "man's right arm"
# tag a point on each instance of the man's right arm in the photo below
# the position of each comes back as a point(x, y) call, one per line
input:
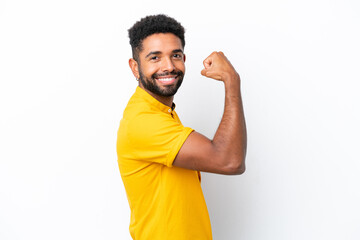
point(225, 154)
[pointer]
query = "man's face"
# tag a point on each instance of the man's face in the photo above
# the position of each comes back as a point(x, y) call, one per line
point(161, 64)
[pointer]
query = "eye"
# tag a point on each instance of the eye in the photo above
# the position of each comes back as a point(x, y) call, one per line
point(176, 55)
point(154, 58)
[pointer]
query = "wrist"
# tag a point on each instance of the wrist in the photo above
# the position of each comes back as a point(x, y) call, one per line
point(229, 78)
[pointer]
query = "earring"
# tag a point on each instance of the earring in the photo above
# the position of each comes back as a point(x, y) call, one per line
point(137, 79)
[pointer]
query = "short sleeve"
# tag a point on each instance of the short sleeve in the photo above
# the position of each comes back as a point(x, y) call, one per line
point(155, 137)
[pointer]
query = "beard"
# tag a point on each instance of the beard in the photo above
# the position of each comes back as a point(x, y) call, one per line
point(165, 91)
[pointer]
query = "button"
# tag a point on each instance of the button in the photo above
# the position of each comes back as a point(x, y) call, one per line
point(169, 110)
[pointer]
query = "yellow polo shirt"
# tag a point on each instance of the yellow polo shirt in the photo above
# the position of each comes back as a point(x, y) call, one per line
point(166, 202)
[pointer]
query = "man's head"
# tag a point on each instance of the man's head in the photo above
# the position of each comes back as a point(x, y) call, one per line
point(158, 59)
point(151, 25)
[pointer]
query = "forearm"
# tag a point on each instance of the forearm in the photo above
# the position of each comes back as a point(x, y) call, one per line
point(230, 139)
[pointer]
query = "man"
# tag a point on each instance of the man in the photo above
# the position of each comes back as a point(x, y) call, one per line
point(159, 159)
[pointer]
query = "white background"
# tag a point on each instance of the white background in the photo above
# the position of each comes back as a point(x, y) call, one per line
point(65, 81)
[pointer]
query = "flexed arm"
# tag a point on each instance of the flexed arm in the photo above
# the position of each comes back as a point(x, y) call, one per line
point(225, 154)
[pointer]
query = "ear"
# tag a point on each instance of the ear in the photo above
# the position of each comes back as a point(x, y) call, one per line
point(134, 66)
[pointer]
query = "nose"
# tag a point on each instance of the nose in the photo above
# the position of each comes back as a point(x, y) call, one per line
point(167, 65)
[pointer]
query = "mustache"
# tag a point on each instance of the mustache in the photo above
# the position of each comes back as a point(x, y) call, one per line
point(176, 73)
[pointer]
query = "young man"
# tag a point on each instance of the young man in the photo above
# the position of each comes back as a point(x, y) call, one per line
point(159, 159)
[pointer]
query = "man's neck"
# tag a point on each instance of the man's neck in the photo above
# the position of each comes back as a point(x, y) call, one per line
point(168, 101)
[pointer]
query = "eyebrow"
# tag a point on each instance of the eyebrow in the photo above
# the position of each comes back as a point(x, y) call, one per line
point(159, 52)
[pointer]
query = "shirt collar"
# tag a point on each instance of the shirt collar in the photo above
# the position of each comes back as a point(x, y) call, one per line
point(154, 102)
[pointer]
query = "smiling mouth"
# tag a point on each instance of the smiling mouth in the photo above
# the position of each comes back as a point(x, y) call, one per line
point(166, 80)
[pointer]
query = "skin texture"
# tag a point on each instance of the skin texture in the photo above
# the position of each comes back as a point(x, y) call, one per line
point(225, 153)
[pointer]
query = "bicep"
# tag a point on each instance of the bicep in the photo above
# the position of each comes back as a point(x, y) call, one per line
point(199, 153)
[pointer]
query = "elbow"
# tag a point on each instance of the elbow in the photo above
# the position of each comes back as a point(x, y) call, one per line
point(236, 168)
point(242, 169)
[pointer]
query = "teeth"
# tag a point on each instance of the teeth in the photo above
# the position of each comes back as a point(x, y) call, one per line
point(166, 79)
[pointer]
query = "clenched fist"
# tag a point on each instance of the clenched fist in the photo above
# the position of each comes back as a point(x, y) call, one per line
point(218, 67)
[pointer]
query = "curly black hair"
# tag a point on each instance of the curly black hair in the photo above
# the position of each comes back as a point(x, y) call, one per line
point(150, 25)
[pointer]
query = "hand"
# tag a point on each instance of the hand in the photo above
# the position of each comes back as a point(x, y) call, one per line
point(218, 67)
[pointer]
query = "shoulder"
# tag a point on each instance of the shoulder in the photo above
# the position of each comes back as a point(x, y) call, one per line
point(150, 125)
